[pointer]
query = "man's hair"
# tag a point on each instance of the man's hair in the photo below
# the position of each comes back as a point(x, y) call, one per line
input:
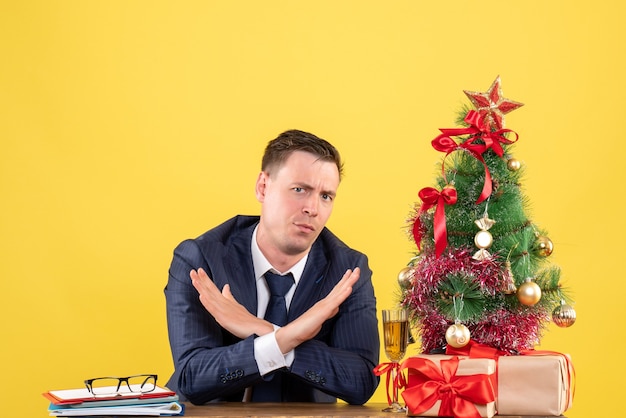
point(280, 148)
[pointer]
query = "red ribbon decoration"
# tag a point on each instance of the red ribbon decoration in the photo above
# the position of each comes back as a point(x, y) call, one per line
point(457, 394)
point(432, 197)
point(398, 380)
point(475, 350)
point(446, 144)
point(478, 130)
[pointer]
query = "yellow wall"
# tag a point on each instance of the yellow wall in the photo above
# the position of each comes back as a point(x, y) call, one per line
point(127, 126)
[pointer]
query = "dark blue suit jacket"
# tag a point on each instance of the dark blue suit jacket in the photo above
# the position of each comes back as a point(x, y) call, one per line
point(212, 364)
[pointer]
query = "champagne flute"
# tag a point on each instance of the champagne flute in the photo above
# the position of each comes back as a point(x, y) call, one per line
point(396, 335)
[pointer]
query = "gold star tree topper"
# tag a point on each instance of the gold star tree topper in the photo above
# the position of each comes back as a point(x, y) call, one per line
point(491, 105)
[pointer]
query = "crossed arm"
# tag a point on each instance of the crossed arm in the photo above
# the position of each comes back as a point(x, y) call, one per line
point(238, 321)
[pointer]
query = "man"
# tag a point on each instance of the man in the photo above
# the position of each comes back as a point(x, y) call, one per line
point(218, 294)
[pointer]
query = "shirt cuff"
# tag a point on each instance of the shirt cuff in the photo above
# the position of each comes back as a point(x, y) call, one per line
point(268, 355)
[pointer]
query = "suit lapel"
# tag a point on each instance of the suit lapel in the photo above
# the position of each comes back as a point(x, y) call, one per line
point(240, 271)
point(311, 283)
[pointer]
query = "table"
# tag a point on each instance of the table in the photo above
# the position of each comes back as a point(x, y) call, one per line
point(295, 410)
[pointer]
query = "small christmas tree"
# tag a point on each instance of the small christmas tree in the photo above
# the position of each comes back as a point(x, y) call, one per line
point(481, 269)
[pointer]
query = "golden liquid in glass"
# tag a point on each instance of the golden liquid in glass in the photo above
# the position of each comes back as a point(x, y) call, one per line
point(396, 339)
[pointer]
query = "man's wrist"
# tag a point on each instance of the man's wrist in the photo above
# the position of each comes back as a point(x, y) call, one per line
point(264, 327)
point(267, 354)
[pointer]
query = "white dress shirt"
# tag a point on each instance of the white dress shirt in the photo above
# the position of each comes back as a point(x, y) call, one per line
point(266, 351)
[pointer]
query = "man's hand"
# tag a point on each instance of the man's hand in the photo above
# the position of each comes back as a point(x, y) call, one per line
point(231, 315)
point(309, 323)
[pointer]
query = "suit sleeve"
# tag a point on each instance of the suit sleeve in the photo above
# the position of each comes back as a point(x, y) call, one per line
point(209, 362)
point(340, 361)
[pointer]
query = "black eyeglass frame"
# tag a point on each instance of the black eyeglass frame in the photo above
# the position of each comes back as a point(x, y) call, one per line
point(120, 380)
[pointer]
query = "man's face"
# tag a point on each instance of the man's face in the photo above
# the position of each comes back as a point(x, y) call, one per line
point(297, 201)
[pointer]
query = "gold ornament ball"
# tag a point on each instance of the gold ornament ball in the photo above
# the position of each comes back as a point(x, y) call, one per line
point(404, 277)
point(457, 335)
point(513, 164)
point(529, 293)
point(543, 246)
point(564, 315)
point(483, 239)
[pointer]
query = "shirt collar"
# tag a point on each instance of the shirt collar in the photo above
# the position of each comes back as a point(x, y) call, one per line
point(261, 264)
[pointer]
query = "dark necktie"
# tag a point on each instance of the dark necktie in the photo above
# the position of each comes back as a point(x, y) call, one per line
point(276, 313)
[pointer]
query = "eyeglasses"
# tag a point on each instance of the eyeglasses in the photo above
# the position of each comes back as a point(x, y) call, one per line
point(107, 386)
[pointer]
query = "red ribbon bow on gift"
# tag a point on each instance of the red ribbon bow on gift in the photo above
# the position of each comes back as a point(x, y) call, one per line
point(398, 378)
point(478, 130)
point(432, 197)
point(457, 394)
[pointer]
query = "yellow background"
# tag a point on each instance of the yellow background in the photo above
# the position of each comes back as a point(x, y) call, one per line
point(127, 126)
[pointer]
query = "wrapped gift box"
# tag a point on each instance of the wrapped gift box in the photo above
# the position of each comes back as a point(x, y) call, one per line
point(534, 384)
point(443, 385)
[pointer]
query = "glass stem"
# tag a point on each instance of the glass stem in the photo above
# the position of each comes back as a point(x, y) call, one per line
point(394, 375)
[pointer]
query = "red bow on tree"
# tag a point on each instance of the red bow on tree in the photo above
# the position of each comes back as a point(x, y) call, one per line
point(458, 394)
point(432, 197)
point(478, 130)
